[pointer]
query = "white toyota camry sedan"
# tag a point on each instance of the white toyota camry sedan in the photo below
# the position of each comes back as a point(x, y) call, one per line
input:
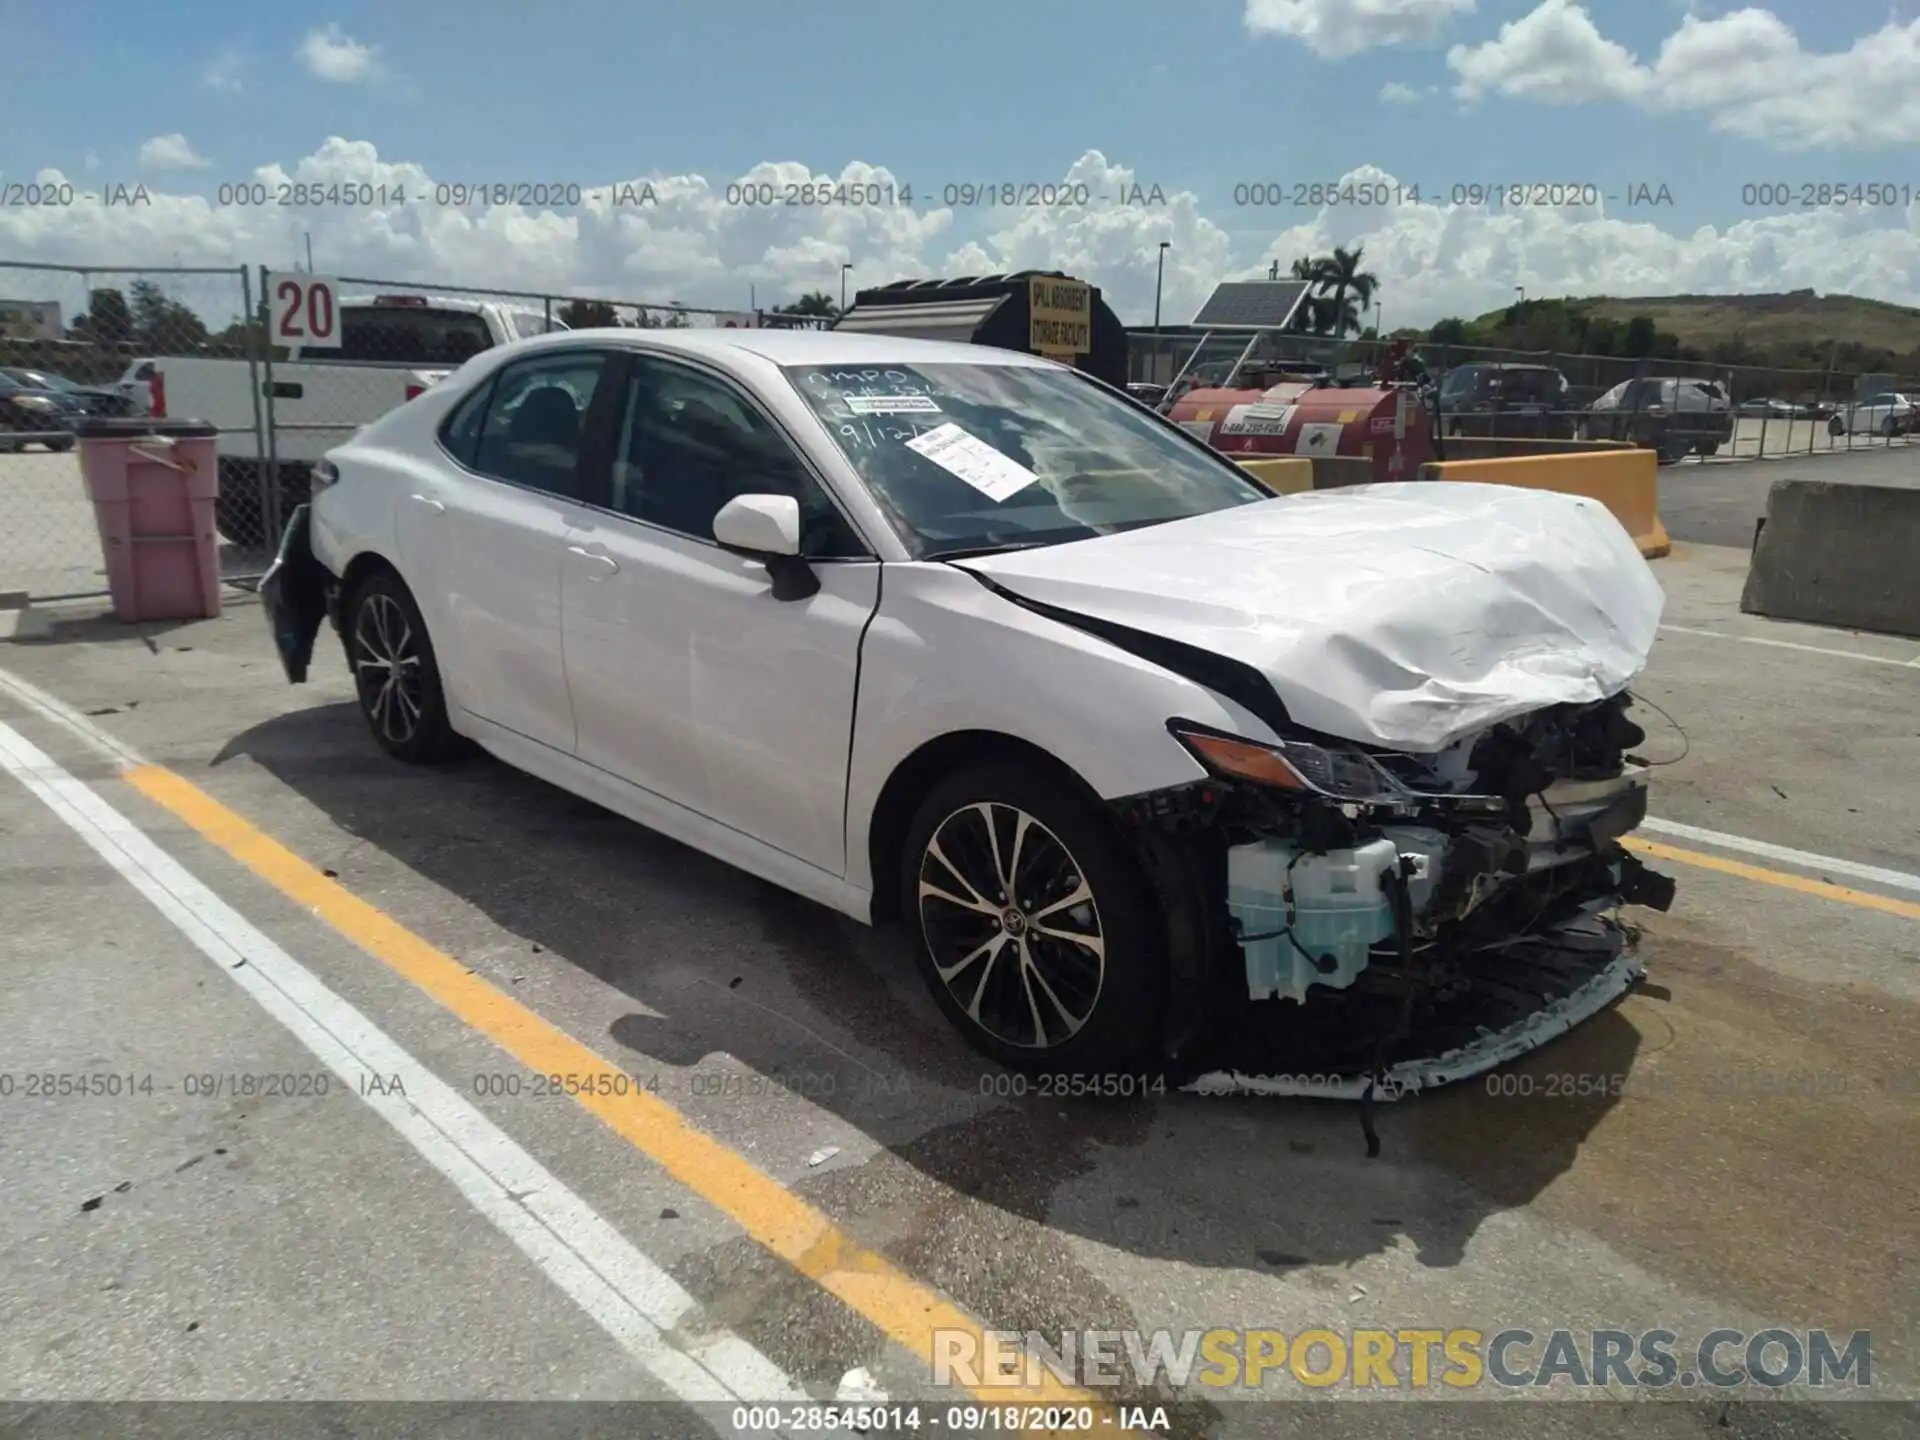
point(1157, 768)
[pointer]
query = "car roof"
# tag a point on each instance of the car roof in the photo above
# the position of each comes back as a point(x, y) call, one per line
point(796, 347)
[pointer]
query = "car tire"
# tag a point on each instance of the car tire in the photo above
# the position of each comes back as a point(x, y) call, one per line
point(1709, 447)
point(384, 632)
point(1099, 998)
point(1887, 427)
point(1671, 450)
point(59, 447)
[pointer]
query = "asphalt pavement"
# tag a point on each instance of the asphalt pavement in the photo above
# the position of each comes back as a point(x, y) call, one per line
point(811, 1176)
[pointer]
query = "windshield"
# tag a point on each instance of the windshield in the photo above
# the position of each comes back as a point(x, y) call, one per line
point(41, 380)
point(411, 334)
point(972, 457)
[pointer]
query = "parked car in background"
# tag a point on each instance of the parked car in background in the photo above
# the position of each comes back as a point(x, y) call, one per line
point(32, 416)
point(95, 399)
point(1887, 414)
point(1500, 399)
point(1675, 416)
point(1768, 409)
point(137, 386)
point(1026, 668)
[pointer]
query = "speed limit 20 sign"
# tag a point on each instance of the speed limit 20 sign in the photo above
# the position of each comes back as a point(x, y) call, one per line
point(304, 311)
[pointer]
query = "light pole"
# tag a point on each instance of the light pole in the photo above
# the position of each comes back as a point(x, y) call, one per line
point(1159, 278)
point(843, 285)
point(1523, 295)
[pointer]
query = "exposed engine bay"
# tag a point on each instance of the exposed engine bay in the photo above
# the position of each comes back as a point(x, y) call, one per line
point(1381, 923)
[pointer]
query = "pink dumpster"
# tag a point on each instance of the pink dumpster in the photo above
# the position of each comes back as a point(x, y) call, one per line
point(153, 483)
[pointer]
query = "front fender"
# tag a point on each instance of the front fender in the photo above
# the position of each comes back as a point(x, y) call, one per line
point(945, 655)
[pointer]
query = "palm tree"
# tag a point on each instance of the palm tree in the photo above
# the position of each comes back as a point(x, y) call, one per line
point(1311, 315)
point(815, 302)
point(1352, 289)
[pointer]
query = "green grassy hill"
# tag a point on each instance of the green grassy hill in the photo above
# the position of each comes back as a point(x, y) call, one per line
point(1798, 328)
point(1797, 319)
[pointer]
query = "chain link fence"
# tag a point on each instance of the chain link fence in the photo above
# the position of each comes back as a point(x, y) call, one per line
point(1685, 409)
point(89, 341)
point(209, 344)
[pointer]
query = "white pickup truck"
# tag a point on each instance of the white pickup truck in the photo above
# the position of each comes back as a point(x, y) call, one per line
point(391, 348)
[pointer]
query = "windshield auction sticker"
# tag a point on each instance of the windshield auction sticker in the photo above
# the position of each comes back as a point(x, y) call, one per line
point(892, 405)
point(969, 458)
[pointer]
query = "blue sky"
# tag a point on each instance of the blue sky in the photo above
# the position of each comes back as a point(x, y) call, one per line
point(1195, 98)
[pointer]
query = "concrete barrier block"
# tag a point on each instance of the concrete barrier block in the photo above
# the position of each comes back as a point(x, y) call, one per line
point(1282, 474)
point(1503, 447)
point(1843, 555)
point(1332, 472)
point(1626, 480)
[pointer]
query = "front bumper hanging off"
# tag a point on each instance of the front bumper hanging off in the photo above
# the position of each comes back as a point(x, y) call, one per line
point(1543, 953)
point(1526, 995)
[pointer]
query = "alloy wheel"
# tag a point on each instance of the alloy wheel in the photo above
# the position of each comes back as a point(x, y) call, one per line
point(1012, 925)
point(386, 667)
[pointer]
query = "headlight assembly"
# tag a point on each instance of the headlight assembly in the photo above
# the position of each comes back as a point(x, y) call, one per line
point(1337, 774)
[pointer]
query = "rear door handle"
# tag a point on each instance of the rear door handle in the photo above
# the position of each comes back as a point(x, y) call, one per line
point(606, 562)
point(428, 501)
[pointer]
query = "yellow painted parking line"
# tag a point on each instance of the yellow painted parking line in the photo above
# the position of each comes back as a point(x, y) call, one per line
point(908, 1312)
point(1824, 889)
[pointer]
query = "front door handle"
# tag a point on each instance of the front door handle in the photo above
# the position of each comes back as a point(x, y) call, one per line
point(605, 562)
point(432, 504)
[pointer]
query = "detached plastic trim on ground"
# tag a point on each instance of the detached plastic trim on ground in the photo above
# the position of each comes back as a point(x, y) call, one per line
point(1494, 1048)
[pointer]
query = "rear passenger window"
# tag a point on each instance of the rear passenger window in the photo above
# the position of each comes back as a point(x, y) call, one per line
point(460, 431)
point(532, 432)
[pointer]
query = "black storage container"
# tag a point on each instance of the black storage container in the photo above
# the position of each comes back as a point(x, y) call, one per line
point(1037, 312)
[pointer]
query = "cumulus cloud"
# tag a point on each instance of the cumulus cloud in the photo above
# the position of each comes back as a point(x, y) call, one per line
point(1394, 93)
point(1746, 71)
point(171, 152)
point(1338, 28)
point(676, 237)
point(335, 56)
point(1554, 53)
point(225, 71)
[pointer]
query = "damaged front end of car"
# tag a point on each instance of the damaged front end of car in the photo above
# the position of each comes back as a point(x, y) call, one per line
point(1356, 923)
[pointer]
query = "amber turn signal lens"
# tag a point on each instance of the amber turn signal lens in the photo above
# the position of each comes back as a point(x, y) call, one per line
point(1245, 759)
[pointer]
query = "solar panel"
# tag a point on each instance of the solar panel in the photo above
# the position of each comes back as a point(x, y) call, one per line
point(1252, 304)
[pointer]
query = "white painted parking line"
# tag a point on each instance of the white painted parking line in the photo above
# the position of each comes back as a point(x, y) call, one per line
point(636, 1302)
point(1805, 859)
point(1913, 664)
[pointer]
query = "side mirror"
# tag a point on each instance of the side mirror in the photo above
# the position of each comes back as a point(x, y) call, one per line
point(767, 527)
point(759, 525)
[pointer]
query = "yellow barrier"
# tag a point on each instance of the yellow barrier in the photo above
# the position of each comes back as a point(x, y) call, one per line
point(1627, 482)
point(1282, 474)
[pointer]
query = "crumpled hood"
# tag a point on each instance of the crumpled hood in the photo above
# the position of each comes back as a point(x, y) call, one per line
point(1403, 615)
